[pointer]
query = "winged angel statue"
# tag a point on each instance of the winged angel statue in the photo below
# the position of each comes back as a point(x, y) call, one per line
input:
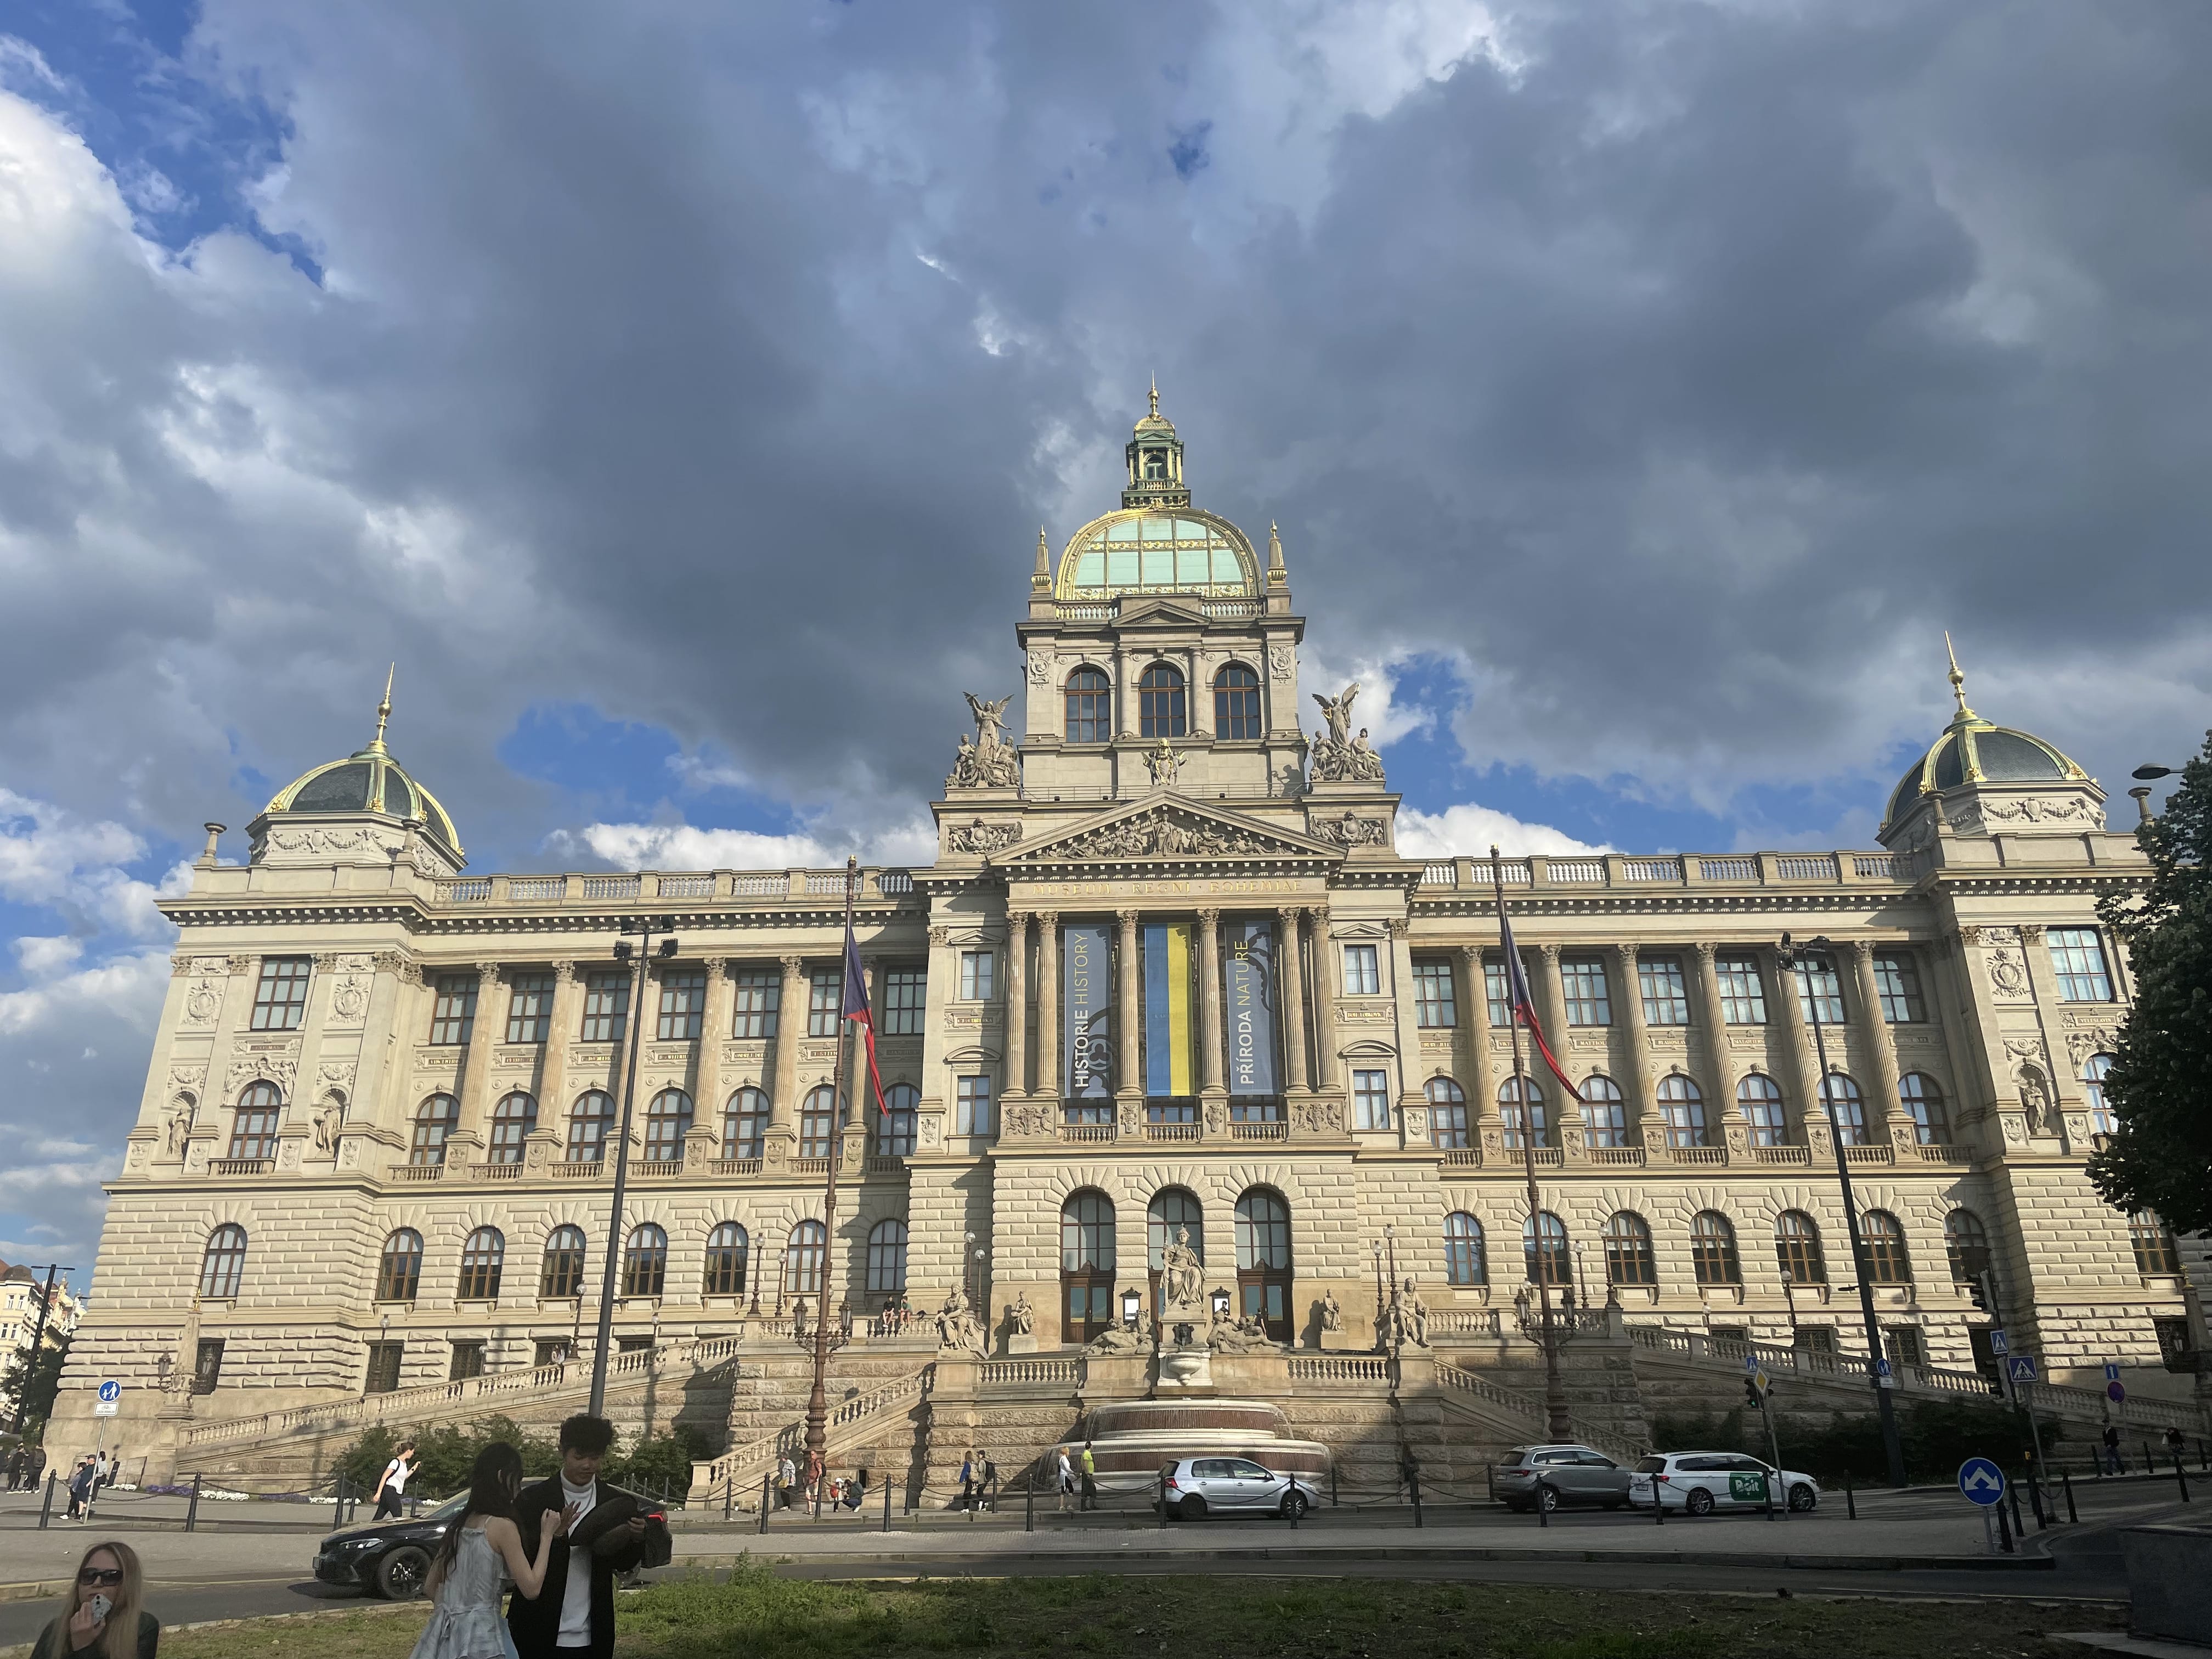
point(990, 762)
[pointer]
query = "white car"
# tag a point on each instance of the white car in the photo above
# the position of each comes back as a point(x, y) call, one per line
point(1195, 1487)
point(1702, 1481)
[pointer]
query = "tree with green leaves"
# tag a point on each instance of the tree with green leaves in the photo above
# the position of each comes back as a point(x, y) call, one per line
point(41, 1375)
point(2159, 1088)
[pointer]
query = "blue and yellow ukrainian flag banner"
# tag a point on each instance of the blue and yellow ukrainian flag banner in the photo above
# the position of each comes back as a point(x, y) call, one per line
point(1167, 1011)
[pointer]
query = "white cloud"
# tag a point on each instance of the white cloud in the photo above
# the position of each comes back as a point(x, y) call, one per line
point(1469, 831)
point(52, 858)
point(1375, 708)
point(687, 847)
point(44, 956)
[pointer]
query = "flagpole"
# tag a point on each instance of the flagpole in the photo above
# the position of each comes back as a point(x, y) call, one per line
point(1555, 1390)
point(818, 1401)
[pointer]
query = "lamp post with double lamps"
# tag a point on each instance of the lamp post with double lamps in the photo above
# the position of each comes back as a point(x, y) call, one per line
point(645, 930)
point(1822, 949)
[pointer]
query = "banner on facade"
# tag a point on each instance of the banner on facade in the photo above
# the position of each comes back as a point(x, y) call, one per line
point(1251, 1008)
point(1167, 1012)
point(1086, 1002)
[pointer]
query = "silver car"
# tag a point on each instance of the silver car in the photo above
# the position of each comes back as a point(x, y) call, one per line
point(1558, 1475)
point(1195, 1487)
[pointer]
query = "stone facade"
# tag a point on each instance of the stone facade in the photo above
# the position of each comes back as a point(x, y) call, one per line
point(1161, 777)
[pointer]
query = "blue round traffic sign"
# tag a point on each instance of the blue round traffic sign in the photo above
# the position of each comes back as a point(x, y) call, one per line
point(1983, 1481)
point(2115, 1392)
point(111, 1391)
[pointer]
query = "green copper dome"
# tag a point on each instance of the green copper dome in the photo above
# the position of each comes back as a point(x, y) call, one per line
point(1974, 750)
point(367, 780)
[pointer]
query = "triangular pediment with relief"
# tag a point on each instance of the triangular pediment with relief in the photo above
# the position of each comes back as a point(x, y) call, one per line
point(1178, 608)
point(1170, 827)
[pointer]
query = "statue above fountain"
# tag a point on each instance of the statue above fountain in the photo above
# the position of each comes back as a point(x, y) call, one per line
point(1186, 1356)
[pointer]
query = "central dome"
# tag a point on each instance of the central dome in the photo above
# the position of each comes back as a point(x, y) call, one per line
point(1159, 551)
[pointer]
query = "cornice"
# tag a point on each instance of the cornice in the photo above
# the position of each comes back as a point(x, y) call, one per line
point(419, 919)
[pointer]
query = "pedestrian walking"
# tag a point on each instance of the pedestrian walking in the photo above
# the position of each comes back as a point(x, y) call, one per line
point(2113, 1465)
point(2175, 1443)
point(392, 1484)
point(80, 1489)
point(15, 1467)
point(786, 1477)
point(105, 1614)
point(36, 1470)
point(1064, 1474)
point(990, 1483)
point(967, 1484)
point(1090, 1478)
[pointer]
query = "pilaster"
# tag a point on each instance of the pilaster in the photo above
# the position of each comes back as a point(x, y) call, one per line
point(790, 1033)
point(1289, 952)
point(1048, 1006)
point(1016, 1086)
point(1210, 1041)
point(1129, 1082)
point(1641, 1103)
point(1477, 1067)
point(1884, 1112)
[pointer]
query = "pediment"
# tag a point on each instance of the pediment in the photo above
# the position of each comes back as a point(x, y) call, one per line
point(1170, 827)
point(1178, 608)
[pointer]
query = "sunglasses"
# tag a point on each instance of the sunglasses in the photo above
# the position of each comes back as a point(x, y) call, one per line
point(100, 1576)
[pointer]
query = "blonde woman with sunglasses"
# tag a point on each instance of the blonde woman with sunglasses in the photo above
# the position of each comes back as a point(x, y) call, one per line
point(105, 1618)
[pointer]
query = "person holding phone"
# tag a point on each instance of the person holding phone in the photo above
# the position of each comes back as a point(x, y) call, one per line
point(465, 1575)
point(103, 1618)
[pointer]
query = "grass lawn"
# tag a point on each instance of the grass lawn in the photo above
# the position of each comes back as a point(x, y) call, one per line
point(756, 1615)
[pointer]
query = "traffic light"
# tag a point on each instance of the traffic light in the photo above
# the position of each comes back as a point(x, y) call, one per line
point(1752, 1396)
point(1979, 1291)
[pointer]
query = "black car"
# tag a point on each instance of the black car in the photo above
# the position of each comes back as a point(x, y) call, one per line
point(389, 1558)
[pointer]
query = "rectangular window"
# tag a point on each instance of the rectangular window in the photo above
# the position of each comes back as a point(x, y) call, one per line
point(550, 1351)
point(453, 1015)
point(758, 990)
point(1897, 978)
point(1666, 1000)
point(1436, 1004)
point(281, 996)
point(975, 976)
point(529, 1015)
point(383, 1367)
point(2076, 953)
point(1820, 992)
point(1903, 1343)
point(1371, 1100)
point(1743, 995)
point(1363, 973)
point(825, 996)
point(682, 1004)
point(905, 992)
point(468, 1362)
point(971, 1114)
point(1583, 978)
point(606, 1004)
point(1497, 992)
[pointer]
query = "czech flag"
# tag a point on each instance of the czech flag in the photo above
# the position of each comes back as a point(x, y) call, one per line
point(1524, 1003)
point(856, 1007)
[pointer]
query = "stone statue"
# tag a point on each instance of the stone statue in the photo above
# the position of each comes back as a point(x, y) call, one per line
point(1121, 1339)
point(325, 1123)
point(958, 1331)
point(2035, 1100)
point(990, 719)
point(1161, 763)
point(1340, 757)
point(1414, 1318)
point(990, 762)
point(1337, 711)
point(1332, 1313)
point(1182, 1272)
point(180, 1125)
point(1021, 1316)
point(1246, 1336)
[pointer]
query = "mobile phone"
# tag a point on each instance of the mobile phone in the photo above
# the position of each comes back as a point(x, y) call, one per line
point(101, 1606)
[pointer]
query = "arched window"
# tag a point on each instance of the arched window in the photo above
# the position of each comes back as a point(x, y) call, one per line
point(2153, 1244)
point(804, 1253)
point(1509, 1112)
point(1090, 706)
point(1922, 1098)
point(1464, 1262)
point(895, 1123)
point(482, 1256)
point(1682, 1109)
point(887, 1258)
point(563, 1275)
point(1552, 1263)
point(1713, 1250)
point(818, 1123)
point(1797, 1249)
point(1171, 1208)
point(1263, 1261)
point(666, 1122)
point(1447, 1114)
point(1846, 1111)
point(726, 1249)
point(399, 1272)
point(1966, 1241)
point(745, 1124)
point(1887, 1262)
point(253, 1131)
point(1604, 1111)
point(1628, 1258)
point(1086, 1265)
point(1761, 1096)
point(1236, 703)
point(434, 1121)
point(645, 1261)
point(589, 1125)
point(2101, 1120)
point(1160, 703)
point(224, 1264)
point(512, 1120)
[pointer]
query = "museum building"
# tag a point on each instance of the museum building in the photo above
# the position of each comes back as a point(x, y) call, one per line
point(1168, 971)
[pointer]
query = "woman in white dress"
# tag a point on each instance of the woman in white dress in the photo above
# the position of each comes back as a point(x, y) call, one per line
point(481, 1550)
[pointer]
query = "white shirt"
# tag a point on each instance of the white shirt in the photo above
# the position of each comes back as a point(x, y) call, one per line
point(395, 1475)
point(576, 1596)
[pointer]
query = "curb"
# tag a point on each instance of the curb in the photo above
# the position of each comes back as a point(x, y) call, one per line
point(1401, 1553)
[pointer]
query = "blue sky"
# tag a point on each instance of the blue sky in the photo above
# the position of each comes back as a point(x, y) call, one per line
point(675, 392)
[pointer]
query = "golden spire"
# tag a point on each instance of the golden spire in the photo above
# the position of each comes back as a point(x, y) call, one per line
point(383, 710)
point(1958, 679)
point(1156, 396)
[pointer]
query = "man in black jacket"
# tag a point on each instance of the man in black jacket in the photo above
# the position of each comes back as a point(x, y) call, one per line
point(573, 1616)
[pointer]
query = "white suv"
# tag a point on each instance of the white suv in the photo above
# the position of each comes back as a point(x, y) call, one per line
point(1195, 1487)
point(1702, 1481)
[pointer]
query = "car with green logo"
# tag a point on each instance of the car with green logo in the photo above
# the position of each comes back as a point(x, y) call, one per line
point(1702, 1481)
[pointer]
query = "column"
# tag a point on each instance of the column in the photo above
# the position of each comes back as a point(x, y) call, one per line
point(1294, 1000)
point(1327, 964)
point(1212, 1052)
point(1127, 1004)
point(1719, 1079)
point(567, 1021)
point(1804, 1080)
point(1048, 1006)
point(715, 1022)
point(489, 1024)
point(2066, 1091)
point(1017, 1004)
point(1478, 1071)
point(1567, 1113)
point(790, 1032)
point(1642, 1106)
point(1880, 1091)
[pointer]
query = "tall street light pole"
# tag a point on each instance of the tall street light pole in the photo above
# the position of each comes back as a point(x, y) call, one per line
point(1877, 1371)
point(643, 929)
point(817, 1400)
point(38, 1342)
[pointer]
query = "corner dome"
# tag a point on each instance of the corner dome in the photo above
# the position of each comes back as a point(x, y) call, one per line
point(367, 780)
point(1973, 751)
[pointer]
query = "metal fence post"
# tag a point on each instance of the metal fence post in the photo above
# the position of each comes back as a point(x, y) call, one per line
point(887, 1503)
point(2018, 1526)
point(1331, 1483)
point(2066, 1480)
point(2004, 1528)
point(1029, 1504)
point(192, 1511)
point(729, 1492)
point(1413, 1480)
point(1851, 1498)
point(1163, 1498)
point(46, 1509)
point(337, 1500)
point(765, 1479)
point(2180, 1474)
